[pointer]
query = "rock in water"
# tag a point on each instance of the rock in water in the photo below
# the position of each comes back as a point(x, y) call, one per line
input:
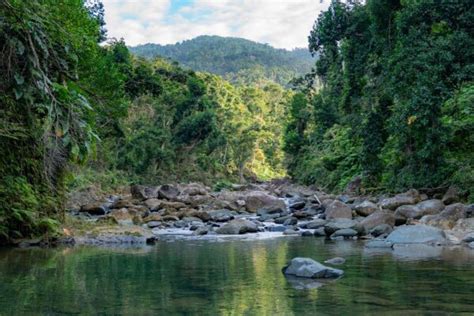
point(417, 234)
point(308, 268)
point(237, 226)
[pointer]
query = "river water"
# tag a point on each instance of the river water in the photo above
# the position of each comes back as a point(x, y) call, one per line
point(234, 277)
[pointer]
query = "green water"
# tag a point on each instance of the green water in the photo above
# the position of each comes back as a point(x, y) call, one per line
point(233, 278)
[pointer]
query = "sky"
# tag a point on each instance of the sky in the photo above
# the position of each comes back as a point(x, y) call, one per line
point(280, 23)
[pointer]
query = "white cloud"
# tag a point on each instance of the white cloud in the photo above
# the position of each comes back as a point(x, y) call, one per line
point(281, 23)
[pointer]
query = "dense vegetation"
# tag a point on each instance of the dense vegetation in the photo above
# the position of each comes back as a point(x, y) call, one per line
point(119, 119)
point(235, 59)
point(393, 105)
point(396, 106)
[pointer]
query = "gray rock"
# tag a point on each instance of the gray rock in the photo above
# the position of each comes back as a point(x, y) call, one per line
point(346, 233)
point(471, 245)
point(307, 233)
point(153, 224)
point(257, 200)
point(203, 230)
point(468, 237)
point(366, 208)
point(430, 207)
point(338, 209)
point(276, 228)
point(382, 229)
point(336, 260)
point(298, 205)
point(281, 220)
point(268, 217)
point(222, 215)
point(290, 231)
point(341, 223)
point(409, 197)
point(237, 226)
point(451, 196)
point(308, 268)
point(417, 234)
point(316, 223)
point(378, 244)
point(290, 221)
point(142, 192)
point(168, 192)
point(378, 218)
point(319, 232)
point(447, 218)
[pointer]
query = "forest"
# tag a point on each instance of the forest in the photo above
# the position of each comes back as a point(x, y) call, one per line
point(389, 101)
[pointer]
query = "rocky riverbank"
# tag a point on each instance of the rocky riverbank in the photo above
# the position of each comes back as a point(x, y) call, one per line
point(146, 214)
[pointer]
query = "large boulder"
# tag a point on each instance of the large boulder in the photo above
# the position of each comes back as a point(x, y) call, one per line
point(428, 207)
point(168, 192)
point(193, 189)
point(451, 196)
point(308, 268)
point(447, 218)
point(409, 197)
point(122, 216)
point(256, 200)
point(316, 223)
point(237, 226)
point(341, 223)
point(378, 218)
point(416, 234)
point(366, 208)
point(141, 192)
point(338, 209)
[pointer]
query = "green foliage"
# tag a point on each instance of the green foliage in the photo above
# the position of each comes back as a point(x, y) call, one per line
point(391, 73)
point(236, 59)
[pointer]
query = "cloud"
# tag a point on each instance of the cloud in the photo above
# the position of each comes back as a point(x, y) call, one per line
point(280, 23)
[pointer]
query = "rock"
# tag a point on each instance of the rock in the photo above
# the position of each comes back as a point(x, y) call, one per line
point(464, 224)
point(141, 192)
point(153, 204)
point(407, 211)
point(276, 228)
point(308, 268)
point(346, 233)
point(172, 206)
point(416, 234)
point(290, 231)
point(222, 215)
point(451, 196)
point(341, 223)
point(429, 207)
point(94, 208)
point(204, 216)
point(319, 232)
point(378, 244)
point(303, 214)
point(468, 237)
point(122, 216)
point(168, 192)
point(409, 197)
point(203, 230)
point(298, 205)
point(193, 189)
point(354, 185)
point(366, 208)
point(282, 219)
point(168, 218)
point(471, 245)
point(316, 223)
point(122, 203)
point(336, 260)
point(338, 209)
point(290, 221)
point(268, 217)
point(382, 229)
point(307, 233)
point(447, 218)
point(378, 218)
point(237, 226)
point(260, 200)
point(153, 224)
point(152, 217)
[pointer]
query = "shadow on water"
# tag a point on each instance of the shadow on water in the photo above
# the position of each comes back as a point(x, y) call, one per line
point(233, 277)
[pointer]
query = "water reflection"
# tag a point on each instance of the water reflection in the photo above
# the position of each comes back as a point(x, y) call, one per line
point(232, 277)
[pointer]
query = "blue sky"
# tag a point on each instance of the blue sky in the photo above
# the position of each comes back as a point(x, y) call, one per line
point(280, 23)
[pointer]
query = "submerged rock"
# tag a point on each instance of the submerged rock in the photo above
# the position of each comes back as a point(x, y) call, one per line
point(378, 244)
point(309, 268)
point(417, 234)
point(336, 260)
point(237, 226)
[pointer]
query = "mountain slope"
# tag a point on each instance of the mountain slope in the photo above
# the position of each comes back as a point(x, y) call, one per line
point(233, 58)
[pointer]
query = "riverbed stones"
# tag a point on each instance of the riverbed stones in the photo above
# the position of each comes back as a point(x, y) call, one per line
point(309, 268)
point(96, 208)
point(290, 221)
point(378, 218)
point(237, 226)
point(341, 223)
point(222, 215)
point(316, 223)
point(417, 234)
point(366, 208)
point(381, 230)
point(260, 200)
point(345, 233)
point(447, 218)
point(409, 197)
point(338, 209)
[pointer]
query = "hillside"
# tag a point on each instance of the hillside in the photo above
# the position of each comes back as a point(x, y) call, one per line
point(233, 58)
